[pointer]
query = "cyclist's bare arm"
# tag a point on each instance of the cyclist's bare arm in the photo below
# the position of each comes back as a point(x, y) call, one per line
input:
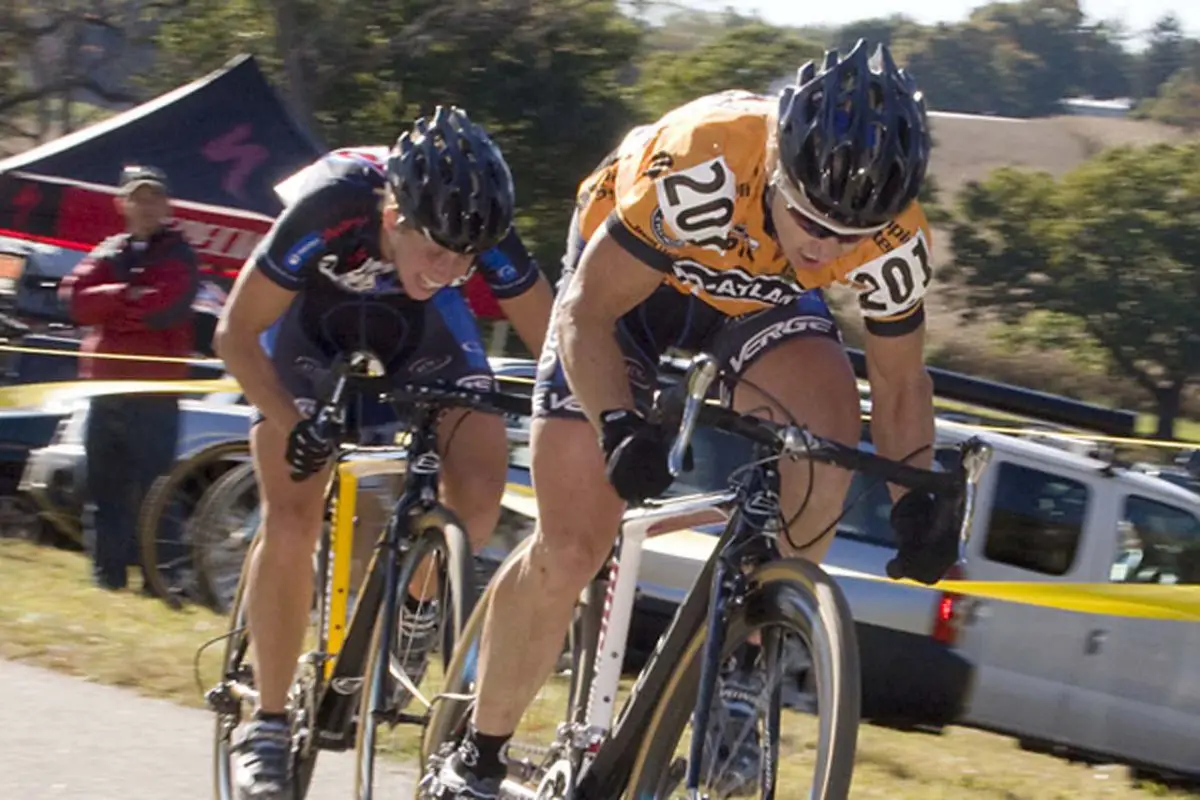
point(529, 313)
point(608, 283)
point(254, 304)
point(901, 398)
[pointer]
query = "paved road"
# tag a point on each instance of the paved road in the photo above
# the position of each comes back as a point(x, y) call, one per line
point(61, 737)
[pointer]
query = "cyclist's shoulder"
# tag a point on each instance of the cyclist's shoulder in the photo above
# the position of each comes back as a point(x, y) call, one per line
point(730, 126)
point(344, 178)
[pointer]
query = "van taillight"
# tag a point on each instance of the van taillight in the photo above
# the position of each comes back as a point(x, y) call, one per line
point(945, 626)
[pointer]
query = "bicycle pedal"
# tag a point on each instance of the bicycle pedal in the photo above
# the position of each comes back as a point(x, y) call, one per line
point(221, 700)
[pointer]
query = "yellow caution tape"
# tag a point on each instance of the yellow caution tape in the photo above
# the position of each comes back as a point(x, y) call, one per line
point(1130, 600)
point(50, 351)
point(1141, 600)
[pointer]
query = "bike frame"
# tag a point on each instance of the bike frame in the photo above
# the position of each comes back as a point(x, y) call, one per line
point(345, 649)
point(342, 650)
point(606, 743)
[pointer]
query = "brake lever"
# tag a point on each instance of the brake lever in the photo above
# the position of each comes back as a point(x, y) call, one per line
point(701, 374)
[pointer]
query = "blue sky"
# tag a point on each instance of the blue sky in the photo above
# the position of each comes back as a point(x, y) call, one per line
point(1137, 15)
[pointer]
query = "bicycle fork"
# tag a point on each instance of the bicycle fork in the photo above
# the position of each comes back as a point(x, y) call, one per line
point(759, 509)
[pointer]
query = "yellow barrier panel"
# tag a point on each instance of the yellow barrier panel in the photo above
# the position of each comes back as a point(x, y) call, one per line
point(38, 395)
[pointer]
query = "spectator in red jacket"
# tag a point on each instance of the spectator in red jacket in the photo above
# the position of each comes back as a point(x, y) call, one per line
point(134, 293)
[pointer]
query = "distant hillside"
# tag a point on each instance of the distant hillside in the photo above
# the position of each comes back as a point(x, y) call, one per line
point(968, 147)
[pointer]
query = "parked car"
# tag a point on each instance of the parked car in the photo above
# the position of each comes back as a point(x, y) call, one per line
point(55, 476)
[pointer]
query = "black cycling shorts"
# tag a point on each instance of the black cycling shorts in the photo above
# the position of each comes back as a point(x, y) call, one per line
point(432, 342)
point(669, 319)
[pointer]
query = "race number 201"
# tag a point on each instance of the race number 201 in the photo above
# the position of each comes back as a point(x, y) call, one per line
point(896, 281)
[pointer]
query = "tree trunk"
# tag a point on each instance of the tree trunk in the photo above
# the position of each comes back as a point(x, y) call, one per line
point(1168, 399)
point(288, 43)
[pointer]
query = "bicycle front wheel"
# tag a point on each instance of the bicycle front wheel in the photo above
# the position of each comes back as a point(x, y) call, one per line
point(438, 567)
point(785, 717)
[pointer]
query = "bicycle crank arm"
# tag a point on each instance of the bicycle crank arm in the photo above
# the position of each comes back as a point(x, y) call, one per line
point(511, 790)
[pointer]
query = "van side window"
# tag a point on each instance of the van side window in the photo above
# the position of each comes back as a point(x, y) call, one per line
point(1037, 520)
point(1156, 543)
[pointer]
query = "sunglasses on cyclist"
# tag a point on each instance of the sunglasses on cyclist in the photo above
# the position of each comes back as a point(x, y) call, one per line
point(812, 223)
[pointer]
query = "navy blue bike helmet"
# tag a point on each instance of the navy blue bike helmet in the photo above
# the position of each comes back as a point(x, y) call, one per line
point(854, 137)
point(452, 183)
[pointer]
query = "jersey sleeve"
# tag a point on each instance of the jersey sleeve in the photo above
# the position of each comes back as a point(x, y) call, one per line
point(301, 235)
point(508, 268)
point(893, 280)
point(678, 189)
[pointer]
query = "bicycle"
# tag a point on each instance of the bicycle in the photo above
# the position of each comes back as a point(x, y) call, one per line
point(346, 683)
point(744, 589)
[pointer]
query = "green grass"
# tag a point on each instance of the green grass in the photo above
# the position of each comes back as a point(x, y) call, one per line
point(50, 615)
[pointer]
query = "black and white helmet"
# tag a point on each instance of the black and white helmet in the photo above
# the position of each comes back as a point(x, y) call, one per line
point(451, 182)
point(854, 137)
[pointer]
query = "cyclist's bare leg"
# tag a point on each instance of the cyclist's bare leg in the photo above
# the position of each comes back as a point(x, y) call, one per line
point(474, 452)
point(279, 592)
point(813, 380)
point(578, 517)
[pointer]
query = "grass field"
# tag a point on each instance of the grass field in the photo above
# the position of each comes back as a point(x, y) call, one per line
point(51, 616)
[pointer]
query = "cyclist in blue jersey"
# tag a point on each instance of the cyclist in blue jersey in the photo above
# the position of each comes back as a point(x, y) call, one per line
point(368, 254)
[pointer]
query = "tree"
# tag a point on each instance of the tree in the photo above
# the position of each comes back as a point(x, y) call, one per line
point(1165, 54)
point(543, 76)
point(1178, 101)
point(1105, 66)
point(878, 30)
point(1104, 264)
point(52, 55)
point(750, 57)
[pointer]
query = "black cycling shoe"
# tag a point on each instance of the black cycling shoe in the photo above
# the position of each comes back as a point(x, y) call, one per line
point(455, 781)
point(262, 761)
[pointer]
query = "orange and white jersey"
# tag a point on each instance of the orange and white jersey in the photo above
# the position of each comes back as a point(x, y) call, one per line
point(689, 193)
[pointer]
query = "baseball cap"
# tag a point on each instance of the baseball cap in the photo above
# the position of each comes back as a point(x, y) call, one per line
point(135, 175)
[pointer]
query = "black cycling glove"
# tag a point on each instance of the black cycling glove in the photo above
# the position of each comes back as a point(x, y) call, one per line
point(927, 529)
point(307, 450)
point(635, 455)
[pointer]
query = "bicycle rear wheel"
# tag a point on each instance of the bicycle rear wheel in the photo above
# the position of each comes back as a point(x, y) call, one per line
point(439, 566)
point(807, 658)
point(164, 533)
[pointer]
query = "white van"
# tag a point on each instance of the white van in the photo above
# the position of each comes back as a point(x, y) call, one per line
point(1111, 686)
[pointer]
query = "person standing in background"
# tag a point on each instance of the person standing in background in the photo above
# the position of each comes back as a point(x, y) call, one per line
point(134, 293)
